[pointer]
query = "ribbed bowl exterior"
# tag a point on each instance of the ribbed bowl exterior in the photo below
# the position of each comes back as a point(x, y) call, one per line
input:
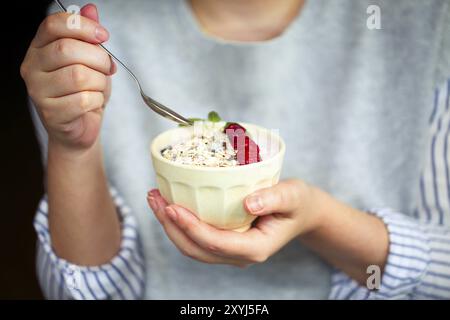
point(215, 195)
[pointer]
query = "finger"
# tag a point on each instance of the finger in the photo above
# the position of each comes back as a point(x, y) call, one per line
point(57, 26)
point(107, 91)
point(68, 108)
point(66, 52)
point(185, 245)
point(156, 201)
point(281, 198)
point(90, 11)
point(220, 242)
point(73, 79)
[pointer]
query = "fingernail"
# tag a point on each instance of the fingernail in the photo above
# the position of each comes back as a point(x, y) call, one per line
point(152, 202)
point(255, 203)
point(101, 34)
point(113, 67)
point(154, 192)
point(172, 214)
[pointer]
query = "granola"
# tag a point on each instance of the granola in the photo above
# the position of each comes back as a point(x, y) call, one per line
point(210, 148)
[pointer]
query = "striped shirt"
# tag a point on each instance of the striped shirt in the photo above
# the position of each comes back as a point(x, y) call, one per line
point(418, 264)
point(123, 278)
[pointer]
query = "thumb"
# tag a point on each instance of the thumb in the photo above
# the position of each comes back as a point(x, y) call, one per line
point(281, 198)
point(90, 11)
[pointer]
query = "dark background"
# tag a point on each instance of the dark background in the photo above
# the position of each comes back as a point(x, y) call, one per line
point(20, 166)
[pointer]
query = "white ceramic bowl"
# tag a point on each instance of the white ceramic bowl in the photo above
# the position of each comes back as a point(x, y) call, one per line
point(216, 195)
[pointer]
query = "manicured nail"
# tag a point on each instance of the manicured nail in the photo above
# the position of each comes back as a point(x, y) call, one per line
point(113, 67)
point(152, 202)
point(172, 214)
point(255, 203)
point(101, 34)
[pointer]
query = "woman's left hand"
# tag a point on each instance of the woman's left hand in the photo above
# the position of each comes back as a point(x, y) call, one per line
point(284, 212)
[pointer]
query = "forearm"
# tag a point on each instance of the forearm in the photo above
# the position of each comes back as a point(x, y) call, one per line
point(347, 238)
point(123, 277)
point(83, 222)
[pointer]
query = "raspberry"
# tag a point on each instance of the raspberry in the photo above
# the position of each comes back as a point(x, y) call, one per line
point(247, 151)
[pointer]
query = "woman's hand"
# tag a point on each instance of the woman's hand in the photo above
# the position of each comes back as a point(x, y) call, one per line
point(285, 211)
point(68, 78)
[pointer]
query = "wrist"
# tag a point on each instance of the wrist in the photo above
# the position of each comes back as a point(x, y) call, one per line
point(60, 152)
point(312, 209)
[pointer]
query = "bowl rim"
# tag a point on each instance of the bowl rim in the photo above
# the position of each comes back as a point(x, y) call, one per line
point(156, 154)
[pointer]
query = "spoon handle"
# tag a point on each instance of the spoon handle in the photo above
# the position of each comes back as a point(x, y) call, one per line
point(153, 104)
point(63, 8)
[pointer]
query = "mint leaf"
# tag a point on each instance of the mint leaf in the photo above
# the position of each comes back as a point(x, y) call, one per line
point(214, 117)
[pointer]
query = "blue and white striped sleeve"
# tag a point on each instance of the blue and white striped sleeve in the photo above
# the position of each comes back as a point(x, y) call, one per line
point(123, 278)
point(418, 262)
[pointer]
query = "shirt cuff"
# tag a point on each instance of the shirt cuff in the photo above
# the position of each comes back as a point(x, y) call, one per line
point(122, 277)
point(406, 265)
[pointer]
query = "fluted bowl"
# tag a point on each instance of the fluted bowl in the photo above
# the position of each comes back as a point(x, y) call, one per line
point(216, 195)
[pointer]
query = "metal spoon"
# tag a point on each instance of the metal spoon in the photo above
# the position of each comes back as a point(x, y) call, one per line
point(154, 105)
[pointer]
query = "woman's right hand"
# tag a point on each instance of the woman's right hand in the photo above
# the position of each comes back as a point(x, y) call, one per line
point(68, 78)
